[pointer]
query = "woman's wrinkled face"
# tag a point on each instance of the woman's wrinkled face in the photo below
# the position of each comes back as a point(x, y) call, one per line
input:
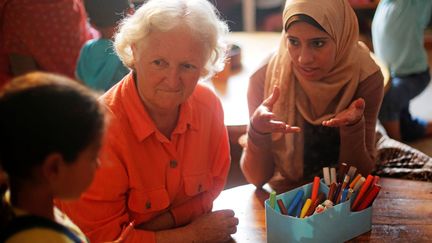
point(168, 66)
point(313, 51)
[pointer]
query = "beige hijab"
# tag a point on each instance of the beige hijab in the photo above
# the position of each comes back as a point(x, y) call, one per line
point(315, 101)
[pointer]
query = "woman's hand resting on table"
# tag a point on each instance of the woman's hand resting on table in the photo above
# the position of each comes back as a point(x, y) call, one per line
point(349, 116)
point(264, 121)
point(215, 226)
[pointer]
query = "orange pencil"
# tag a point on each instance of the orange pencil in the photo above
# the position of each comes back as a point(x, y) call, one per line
point(315, 188)
point(369, 198)
point(362, 191)
point(359, 184)
point(353, 182)
point(371, 188)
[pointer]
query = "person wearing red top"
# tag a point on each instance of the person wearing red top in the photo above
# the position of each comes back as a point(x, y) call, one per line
point(166, 154)
point(44, 35)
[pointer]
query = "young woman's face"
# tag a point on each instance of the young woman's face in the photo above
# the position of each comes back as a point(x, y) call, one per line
point(313, 52)
point(168, 66)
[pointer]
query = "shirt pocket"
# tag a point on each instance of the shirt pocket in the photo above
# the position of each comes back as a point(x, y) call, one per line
point(147, 201)
point(195, 184)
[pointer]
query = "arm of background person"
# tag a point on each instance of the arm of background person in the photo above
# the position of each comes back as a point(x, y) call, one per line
point(257, 160)
point(21, 64)
point(358, 141)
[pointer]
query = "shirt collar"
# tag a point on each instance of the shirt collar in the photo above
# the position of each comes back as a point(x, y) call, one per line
point(142, 124)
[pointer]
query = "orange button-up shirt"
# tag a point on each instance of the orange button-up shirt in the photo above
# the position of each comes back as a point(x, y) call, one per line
point(144, 174)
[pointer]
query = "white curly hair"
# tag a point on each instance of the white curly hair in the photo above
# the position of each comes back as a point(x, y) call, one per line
point(163, 15)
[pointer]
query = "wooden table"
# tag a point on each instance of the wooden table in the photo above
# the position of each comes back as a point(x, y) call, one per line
point(401, 213)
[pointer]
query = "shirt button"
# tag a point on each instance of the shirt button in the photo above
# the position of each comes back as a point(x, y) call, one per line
point(148, 204)
point(173, 163)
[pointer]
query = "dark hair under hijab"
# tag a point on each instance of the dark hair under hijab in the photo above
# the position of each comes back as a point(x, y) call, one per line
point(302, 18)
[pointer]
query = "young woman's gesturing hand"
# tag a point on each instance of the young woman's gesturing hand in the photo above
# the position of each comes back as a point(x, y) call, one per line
point(264, 121)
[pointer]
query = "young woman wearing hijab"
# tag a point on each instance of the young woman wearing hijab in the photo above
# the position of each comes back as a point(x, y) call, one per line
point(315, 101)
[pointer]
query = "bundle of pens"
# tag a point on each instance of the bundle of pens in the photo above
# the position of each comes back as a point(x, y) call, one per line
point(339, 191)
point(346, 182)
point(301, 208)
point(336, 208)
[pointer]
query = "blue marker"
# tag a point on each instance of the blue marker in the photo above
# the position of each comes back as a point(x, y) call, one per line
point(344, 195)
point(295, 202)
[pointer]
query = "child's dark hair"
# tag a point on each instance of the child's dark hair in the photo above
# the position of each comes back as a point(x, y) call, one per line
point(42, 113)
point(106, 13)
point(303, 18)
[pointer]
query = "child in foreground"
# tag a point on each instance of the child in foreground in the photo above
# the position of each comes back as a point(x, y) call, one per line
point(51, 130)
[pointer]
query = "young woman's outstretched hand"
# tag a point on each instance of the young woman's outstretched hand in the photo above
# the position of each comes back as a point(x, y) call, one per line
point(264, 121)
point(349, 116)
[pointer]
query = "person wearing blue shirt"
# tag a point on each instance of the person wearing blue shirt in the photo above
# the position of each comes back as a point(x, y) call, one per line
point(398, 35)
point(98, 66)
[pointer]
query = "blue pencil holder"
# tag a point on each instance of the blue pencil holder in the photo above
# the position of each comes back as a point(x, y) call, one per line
point(337, 224)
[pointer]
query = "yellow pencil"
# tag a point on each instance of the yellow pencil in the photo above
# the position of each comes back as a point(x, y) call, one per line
point(305, 208)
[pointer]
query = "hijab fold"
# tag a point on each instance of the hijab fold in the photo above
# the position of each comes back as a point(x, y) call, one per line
point(313, 102)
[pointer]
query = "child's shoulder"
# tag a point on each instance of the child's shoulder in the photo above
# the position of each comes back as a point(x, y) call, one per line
point(30, 228)
point(36, 234)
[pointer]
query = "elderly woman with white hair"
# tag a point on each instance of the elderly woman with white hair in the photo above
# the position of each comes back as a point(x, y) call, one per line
point(165, 157)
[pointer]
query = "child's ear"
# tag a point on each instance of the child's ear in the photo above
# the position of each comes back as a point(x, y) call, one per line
point(51, 167)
